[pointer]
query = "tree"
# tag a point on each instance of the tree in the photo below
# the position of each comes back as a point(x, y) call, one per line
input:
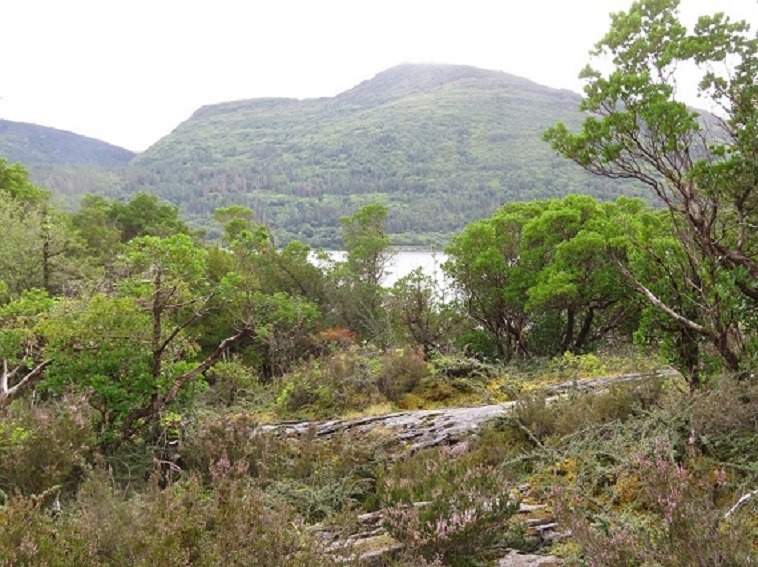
point(21, 345)
point(144, 215)
point(577, 292)
point(39, 246)
point(535, 276)
point(14, 180)
point(134, 350)
point(702, 167)
point(357, 281)
point(424, 312)
point(367, 243)
point(239, 227)
point(99, 232)
point(484, 263)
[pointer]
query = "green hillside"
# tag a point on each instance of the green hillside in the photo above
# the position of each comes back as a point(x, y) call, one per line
point(440, 144)
point(66, 163)
point(40, 145)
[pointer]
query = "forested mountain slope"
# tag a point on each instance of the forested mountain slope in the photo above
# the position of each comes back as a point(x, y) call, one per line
point(440, 144)
point(39, 145)
point(67, 163)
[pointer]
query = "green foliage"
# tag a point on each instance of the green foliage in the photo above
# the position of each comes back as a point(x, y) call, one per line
point(235, 219)
point(535, 277)
point(283, 326)
point(133, 350)
point(19, 320)
point(40, 248)
point(367, 243)
point(96, 227)
point(143, 215)
point(159, 356)
point(345, 380)
point(230, 383)
point(424, 312)
point(703, 169)
point(357, 294)
point(103, 224)
point(15, 182)
point(102, 346)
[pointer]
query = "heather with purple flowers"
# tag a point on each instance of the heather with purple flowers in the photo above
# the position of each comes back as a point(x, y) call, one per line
point(445, 507)
point(673, 520)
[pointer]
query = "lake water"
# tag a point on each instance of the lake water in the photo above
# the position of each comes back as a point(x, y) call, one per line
point(405, 262)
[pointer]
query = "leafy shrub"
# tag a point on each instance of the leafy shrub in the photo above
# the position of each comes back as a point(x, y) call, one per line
point(401, 371)
point(346, 380)
point(230, 383)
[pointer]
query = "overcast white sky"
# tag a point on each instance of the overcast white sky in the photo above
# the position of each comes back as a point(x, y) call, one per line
point(128, 72)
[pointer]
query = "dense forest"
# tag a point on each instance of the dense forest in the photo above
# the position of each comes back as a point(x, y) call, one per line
point(172, 396)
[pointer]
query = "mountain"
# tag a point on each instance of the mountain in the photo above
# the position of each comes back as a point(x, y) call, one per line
point(440, 144)
point(69, 164)
point(40, 145)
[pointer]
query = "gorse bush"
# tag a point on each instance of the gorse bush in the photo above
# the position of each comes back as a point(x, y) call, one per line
point(540, 420)
point(652, 483)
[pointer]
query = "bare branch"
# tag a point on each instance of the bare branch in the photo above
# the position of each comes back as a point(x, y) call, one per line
point(7, 395)
point(658, 304)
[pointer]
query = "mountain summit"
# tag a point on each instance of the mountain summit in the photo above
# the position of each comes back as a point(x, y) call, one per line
point(412, 79)
point(440, 144)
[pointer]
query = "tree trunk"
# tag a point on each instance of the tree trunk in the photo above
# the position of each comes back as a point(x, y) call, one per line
point(568, 335)
point(584, 332)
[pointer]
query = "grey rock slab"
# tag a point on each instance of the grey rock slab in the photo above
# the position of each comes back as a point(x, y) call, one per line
point(446, 426)
point(516, 559)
